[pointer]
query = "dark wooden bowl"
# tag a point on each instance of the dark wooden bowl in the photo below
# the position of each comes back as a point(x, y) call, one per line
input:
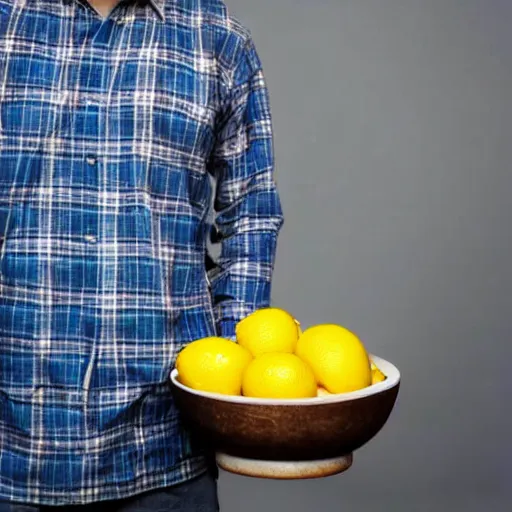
point(298, 438)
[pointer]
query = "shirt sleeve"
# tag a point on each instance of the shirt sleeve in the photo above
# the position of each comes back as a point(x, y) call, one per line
point(248, 214)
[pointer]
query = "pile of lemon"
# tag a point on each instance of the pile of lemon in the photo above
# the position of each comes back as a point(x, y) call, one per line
point(273, 358)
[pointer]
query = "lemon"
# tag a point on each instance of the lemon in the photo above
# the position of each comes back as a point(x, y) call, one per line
point(377, 375)
point(268, 330)
point(213, 364)
point(337, 357)
point(278, 375)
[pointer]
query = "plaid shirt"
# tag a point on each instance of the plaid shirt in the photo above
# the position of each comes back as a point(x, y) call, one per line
point(110, 134)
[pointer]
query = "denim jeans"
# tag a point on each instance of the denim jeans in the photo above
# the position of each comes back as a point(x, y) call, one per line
point(197, 495)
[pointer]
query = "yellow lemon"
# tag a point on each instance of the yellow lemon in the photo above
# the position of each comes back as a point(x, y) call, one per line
point(338, 358)
point(213, 364)
point(377, 375)
point(278, 375)
point(268, 330)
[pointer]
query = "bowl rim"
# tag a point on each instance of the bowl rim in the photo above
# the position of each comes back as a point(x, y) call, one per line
point(388, 369)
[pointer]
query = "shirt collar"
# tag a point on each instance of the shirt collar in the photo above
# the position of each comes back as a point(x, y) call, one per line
point(158, 5)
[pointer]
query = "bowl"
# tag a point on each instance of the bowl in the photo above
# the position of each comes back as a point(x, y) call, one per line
point(288, 438)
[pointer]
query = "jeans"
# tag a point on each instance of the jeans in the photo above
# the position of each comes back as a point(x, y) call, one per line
point(197, 495)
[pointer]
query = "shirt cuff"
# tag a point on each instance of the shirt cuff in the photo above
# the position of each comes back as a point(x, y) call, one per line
point(227, 316)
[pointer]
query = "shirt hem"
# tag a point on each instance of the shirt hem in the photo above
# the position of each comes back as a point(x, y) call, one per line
point(116, 491)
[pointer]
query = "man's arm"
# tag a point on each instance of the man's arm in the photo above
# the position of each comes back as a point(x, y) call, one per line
point(247, 204)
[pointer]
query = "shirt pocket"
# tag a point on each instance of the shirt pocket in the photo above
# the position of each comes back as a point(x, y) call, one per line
point(178, 111)
point(30, 96)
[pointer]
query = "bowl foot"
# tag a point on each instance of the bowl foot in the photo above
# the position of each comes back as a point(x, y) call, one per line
point(283, 470)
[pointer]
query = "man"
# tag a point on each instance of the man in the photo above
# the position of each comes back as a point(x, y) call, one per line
point(114, 118)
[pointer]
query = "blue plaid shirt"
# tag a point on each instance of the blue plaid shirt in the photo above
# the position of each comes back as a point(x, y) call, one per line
point(120, 141)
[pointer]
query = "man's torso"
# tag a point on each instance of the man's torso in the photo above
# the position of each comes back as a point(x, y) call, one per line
point(105, 130)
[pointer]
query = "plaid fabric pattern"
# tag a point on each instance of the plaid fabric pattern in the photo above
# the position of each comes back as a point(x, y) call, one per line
point(110, 134)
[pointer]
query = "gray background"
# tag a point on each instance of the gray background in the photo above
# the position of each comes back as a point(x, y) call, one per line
point(393, 134)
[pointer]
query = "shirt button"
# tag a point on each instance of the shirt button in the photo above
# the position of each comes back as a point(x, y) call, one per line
point(91, 239)
point(91, 160)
